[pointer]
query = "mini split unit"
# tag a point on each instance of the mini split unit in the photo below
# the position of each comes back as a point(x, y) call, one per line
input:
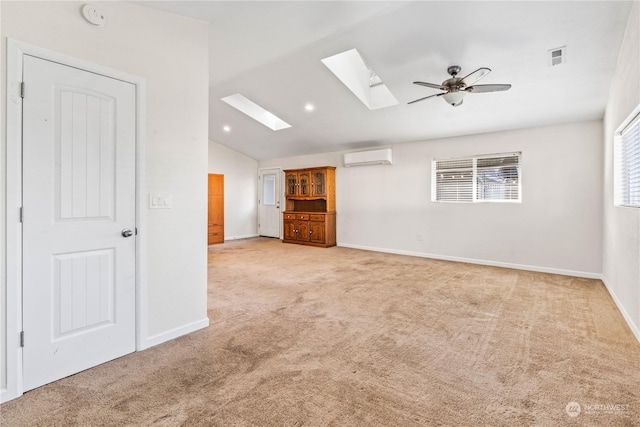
point(366, 158)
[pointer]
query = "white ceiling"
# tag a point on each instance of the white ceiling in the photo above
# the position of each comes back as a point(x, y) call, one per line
point(271, 53)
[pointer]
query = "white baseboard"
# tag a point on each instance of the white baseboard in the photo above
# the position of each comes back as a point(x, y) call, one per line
point(7, 395)
point(634, 328)
point(584, 274)
point(247, 236)
point(174, 333)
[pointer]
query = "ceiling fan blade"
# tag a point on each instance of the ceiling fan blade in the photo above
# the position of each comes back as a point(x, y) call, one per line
point(431, 85)
point(426, 97)
point(471, 78)
point(487, 88)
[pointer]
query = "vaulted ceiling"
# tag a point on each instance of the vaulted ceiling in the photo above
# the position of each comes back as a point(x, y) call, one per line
point(271, 53)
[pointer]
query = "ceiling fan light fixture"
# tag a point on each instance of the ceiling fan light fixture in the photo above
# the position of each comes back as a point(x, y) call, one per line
point(456, 88)
point(454, 98)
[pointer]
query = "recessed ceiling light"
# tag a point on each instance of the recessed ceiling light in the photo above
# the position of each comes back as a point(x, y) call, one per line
point(226, 129)
point(309, 107)
point(352, 70)
point(256, 112)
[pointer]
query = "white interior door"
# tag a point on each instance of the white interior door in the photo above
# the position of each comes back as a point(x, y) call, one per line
point(78, 197)
point(269, 217)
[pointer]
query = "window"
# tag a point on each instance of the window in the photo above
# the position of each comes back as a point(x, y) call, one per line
point(627, 162)
point(490, 178)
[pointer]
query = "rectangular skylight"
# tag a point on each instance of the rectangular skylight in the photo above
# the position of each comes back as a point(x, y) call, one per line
point(256, 112)
point(352, 70)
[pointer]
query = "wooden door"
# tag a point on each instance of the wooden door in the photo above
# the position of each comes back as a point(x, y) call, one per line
point(304, 183)
point(291, 186)
point(319, 182)
point(79, 243)
point(216, 209)
point(289, 230)
point(316, 232)
point(302, 228)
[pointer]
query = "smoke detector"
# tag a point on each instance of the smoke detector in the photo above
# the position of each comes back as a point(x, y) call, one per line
point(93, 15)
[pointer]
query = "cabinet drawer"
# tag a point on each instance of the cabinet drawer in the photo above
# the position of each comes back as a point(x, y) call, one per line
point(302, 217)
point(290, 216)
point(316, 217)
point(213, 239)
point(215, 235)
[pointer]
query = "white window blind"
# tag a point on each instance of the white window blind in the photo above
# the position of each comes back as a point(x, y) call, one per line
point(490, 178)
point(627, 164)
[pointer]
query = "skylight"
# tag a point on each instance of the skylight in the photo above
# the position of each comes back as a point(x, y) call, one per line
point(352, 70)
point(256, 112)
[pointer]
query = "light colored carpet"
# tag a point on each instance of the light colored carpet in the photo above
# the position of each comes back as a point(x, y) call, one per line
point(304, 336)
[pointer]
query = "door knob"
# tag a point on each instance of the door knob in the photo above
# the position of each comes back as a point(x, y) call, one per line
point(127, 232)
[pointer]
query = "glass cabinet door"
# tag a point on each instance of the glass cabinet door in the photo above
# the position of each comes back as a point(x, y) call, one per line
point(318, 183)
point(292, 182)
point(304, 184)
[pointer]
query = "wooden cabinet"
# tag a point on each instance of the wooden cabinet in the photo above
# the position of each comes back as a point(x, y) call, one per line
point(318, 229)
point(320, 226)
point(308, 182)
point(216, 209)
point(298, 183)
point(318, 182)
point(310, 216)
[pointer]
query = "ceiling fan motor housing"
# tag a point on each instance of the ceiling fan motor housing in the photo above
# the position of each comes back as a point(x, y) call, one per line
point(454, 70)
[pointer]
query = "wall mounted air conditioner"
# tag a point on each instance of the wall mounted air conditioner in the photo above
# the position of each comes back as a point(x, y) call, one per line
point(365, 158)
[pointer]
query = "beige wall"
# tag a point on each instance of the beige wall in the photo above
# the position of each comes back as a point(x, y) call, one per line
point(621, 226)
point(240, 190)
point(171, 54)
point(557, 227)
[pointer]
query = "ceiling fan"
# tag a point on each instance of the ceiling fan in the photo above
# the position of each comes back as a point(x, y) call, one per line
point(456, 88)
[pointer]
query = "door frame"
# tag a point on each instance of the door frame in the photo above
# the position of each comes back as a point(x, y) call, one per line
point(16, 50)
point(280, 192)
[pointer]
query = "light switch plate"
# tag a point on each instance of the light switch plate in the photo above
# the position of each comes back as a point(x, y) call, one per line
point(160, 201)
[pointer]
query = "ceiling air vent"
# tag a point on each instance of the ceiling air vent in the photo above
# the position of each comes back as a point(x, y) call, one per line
point(557, 56)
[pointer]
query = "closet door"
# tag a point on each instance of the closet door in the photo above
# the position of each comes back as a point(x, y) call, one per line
point(79, 266)
point(216, 209)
